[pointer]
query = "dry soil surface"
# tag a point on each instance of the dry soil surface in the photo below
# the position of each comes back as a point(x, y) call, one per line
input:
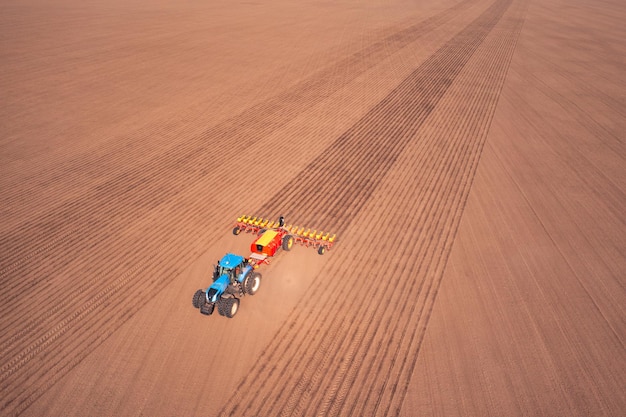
point(470, 155)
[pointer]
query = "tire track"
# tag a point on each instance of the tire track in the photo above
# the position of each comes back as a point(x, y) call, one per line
point(302, 353)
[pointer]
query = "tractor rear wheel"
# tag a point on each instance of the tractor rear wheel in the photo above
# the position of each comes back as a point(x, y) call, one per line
point(287, 242)
point(251, 283)
point(228, 307)
point(198, 299)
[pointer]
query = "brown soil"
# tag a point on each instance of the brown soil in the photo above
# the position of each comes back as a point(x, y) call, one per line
point(469, 154)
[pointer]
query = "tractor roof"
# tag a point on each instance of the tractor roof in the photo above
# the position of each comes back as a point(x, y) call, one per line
point(230, 261)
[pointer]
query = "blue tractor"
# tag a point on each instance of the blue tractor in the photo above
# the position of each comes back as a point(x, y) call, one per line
point(233, 277)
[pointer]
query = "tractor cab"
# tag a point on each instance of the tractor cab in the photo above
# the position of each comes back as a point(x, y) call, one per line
point(231, 266)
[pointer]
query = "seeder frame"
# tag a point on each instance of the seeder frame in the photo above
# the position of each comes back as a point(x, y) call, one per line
point(304, 236)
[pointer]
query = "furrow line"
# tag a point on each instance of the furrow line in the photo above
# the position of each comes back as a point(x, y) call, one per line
point(63, 326)
point(82, 340)
point(377, 359)
point(10, 268)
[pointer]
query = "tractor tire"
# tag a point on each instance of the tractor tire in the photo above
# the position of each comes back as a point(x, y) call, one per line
point(251, 283)
point(228, 307)
point(321, 250)
point(198, 299)
point(207, 309)
point(220, 306)
point(236, 230)
point(287, 242)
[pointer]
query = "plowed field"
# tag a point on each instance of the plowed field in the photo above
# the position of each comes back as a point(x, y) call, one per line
point(470, 155)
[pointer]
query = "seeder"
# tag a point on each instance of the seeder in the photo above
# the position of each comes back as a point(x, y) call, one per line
point(282, 236)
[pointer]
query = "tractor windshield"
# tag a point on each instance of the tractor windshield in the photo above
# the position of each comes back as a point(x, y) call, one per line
point(227, 271)
point(230, 272)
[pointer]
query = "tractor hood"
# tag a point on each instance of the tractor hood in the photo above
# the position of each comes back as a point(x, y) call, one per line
point(218, 287)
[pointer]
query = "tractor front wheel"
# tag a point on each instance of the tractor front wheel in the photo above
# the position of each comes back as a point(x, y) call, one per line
point(207, 309)
point(198, 299)
point(287, 242)
point(252, 283)
point(228, 307)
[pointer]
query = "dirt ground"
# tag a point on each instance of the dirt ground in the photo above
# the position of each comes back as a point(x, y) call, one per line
point(469, 154)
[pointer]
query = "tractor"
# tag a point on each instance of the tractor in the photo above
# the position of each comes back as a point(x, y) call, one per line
point(233, 277)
